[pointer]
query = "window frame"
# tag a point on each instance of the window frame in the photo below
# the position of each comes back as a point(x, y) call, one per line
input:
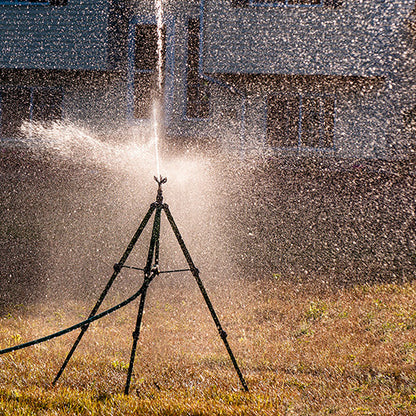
point(168, 68)
point(300, 146)
point(200, 79)
point(145, 75)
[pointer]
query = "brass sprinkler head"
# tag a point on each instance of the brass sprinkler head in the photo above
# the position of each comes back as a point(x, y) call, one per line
point(160, 182)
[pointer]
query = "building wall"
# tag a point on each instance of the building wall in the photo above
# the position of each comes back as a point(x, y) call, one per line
point(223, 121)
point(368, 118)
point(365, 49)
point(73, 36)
point(371, 109)
point(357, 38)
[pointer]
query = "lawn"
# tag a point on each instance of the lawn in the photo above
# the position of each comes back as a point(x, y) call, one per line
point(304, 350)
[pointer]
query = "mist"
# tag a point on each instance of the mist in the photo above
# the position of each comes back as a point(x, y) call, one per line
point(73, 198)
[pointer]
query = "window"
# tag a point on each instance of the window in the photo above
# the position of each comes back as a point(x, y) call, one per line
point(198, 93)
point(145, 68)
point(302, 121)
point(19, 104)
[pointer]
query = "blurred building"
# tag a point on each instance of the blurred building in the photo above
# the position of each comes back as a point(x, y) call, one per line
point(279, 77)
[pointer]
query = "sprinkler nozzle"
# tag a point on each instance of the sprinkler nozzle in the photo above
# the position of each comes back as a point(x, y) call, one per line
point(160, 182)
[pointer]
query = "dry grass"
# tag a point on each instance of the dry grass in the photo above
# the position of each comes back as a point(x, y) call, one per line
point(303, 350)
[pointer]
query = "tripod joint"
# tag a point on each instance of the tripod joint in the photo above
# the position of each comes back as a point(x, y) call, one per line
point(222, 333)
point(136, 335)
point(149, 275)
point(154, 271)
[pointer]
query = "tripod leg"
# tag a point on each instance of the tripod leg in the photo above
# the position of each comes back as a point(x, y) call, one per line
point(117, 269)
point(195, 273)
point(149, 274)
point(136, 335)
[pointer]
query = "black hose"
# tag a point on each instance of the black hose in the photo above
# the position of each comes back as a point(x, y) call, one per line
point(74, 327)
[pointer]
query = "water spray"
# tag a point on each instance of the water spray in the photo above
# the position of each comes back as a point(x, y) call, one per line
point(157, 102)
point(151, 269)
point(156, 136)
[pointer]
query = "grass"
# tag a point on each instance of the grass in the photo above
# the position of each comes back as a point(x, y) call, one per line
point(304, 350)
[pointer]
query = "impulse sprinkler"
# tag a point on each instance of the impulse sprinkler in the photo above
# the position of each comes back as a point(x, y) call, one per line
point(160, 182)
point(150, 270)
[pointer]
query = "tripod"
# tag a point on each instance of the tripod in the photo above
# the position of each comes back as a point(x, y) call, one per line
point(151, 270)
